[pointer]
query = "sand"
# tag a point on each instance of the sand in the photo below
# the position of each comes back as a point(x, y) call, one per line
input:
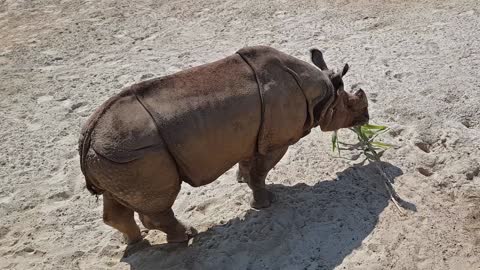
point(417, 60)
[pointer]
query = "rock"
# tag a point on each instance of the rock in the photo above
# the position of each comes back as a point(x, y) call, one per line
point(423, 146)
point(468, 167)
point(424, 171)
point(147, 76)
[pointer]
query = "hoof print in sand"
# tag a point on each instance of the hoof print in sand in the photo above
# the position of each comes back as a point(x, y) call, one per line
point(424, 171)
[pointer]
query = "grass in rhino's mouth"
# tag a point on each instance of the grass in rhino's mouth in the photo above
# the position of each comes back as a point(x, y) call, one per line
point(373, 150)
point(367, 143)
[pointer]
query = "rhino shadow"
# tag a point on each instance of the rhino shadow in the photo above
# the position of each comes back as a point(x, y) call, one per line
point(309, 227)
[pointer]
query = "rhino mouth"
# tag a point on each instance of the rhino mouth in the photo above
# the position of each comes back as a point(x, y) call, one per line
point(362, 121)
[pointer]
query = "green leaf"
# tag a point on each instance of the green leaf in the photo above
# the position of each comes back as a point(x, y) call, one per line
point(374, 127)
point(377, 134)
point(367, 133)
point(371, 131)
point(381, 145)
point(359, 132)
point(334, 140)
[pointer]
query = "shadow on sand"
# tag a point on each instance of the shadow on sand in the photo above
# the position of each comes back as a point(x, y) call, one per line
point(309, 227)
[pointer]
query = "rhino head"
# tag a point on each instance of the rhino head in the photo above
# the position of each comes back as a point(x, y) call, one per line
point(346, 109)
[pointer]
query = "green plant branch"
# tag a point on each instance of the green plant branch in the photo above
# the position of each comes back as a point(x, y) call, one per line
point(366, 135)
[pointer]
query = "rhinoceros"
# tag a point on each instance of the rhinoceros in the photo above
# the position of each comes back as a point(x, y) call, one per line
point(192, 126)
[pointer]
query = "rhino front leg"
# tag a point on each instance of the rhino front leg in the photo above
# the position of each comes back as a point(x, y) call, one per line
point(259, 167)
point(243, 172)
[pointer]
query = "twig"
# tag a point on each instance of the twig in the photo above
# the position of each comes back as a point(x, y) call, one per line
point(365, 142)
point(387, 182)
point(390, 190)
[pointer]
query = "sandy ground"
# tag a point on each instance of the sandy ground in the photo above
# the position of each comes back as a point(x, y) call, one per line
point(419, 63)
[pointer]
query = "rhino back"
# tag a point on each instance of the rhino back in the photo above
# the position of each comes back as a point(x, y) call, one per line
point(209, 116)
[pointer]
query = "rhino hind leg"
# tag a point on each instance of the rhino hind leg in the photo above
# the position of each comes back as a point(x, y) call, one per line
point(148, 186)
point(169, 224)
point(258, 168)
point(121, 218)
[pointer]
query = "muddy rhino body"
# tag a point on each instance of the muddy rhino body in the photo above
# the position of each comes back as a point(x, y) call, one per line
point(194, 125)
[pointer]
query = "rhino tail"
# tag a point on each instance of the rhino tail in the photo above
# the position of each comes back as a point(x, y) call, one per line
point(91, 188)
point(83, 147)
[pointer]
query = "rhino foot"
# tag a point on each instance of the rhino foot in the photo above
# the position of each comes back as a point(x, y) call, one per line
point(262, 199)
point(136, 246)
point(182, 236)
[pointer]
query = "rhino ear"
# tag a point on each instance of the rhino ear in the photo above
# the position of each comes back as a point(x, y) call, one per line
point(345, 69)
point(317, 59)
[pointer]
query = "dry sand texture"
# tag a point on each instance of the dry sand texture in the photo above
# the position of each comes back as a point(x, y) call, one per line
point(418, 60)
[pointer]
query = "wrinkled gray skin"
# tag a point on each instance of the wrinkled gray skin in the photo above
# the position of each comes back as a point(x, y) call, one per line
point(194, 125)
